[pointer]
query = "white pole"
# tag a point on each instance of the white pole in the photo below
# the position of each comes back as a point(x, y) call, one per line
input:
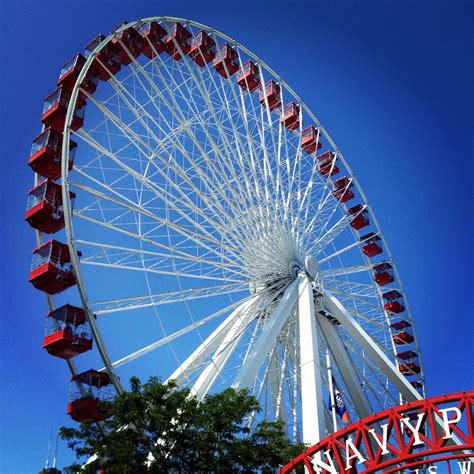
point(312, 401)
point(56, 450)
point(331, 391)
point(49, 449)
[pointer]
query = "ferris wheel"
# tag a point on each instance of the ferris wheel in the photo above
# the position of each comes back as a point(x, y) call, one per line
point(210, 231)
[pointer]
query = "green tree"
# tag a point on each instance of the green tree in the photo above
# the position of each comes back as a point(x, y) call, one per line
point(181, 434)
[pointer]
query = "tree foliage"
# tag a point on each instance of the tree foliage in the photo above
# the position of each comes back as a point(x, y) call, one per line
point(181, 434)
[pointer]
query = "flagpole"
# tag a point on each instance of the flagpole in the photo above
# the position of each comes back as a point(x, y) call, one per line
point(331, 391)
point(56, 450)
point(49, 449)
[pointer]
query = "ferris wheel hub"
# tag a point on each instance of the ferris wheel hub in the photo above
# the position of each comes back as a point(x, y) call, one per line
point(311, 267)
point(294, 268)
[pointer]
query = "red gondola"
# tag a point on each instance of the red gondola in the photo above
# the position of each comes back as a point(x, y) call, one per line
point(202, 49)
point(291, 116)
point(392, 295)
point(394, 307)
point(407, 355)
point(402, 324)
point(55, 108)
point(226, 62)
point(67, 334)
point(129, 44)
point(93, 402)
point(327, 163)
point(393, 303)
point(45, 207)
point(310, 140)
point(402, 337)
point(51, 269)
point(177, 35)
point(106, 61)
point(45, 156)
point(383, 273)
point(271, 94)
point(343, 189)
point(361, 217)
point(70, 72)
point(409, 368)
point(153, 39)
point(371, 246)
point(249, 77)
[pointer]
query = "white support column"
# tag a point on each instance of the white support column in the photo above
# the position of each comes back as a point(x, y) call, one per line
point(384, 364)
point(249, 370)
point(346, 369)
point(312, 402)
point(232, 337)
point(273, 381)
point(210, 344)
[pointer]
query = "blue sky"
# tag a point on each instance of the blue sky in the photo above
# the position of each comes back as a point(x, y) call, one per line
point(391, 82)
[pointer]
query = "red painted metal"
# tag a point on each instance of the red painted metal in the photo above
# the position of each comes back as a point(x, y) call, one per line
point(409, 368)
point(361, 218)
point(249, 77)
point(402, 324)
point(383, 273)
point(67, 334)
point(107, 61)
point(402, 451)
point(45, 156)
point(153, 39)
point(394, 307)
point(226, 58)
point(65, 344)
point(291, 116)
point(392, 295)
point(310, 141)
point(177, 35)
point(394, 302)
point(371, 246)
point(129, 44)
point(70, 72)
point(407, 355)
point(343, 189)
point(91, 403)
point(51, 269)
point(89, 409)
point(45, 207)
point(403, 337)
point(202, 49)
point(327, 164)
point(55, 108)
point(271, 94)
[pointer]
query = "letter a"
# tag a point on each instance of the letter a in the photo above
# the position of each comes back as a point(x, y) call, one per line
point(383, 443)
point(357, 454)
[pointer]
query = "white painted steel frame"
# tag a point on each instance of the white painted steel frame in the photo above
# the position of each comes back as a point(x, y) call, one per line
point(310, 388)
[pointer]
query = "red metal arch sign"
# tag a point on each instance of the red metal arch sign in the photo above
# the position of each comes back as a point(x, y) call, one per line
point(420, 433)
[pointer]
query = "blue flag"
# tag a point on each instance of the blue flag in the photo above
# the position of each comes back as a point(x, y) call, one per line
point(340, 407)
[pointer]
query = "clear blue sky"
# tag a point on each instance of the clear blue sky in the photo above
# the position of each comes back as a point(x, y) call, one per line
point(391, 81)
